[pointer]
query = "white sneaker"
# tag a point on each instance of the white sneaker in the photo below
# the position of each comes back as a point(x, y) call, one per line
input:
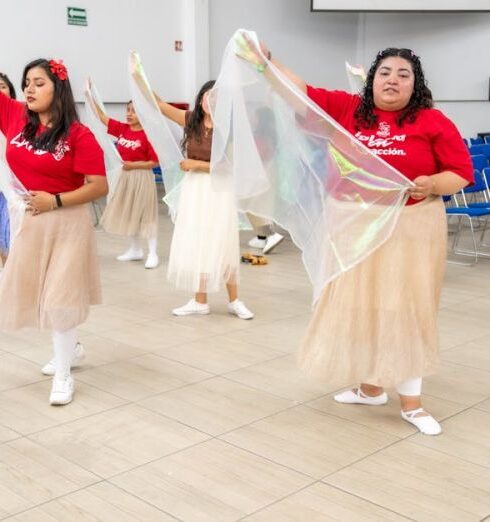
point(426, 424)
point(62, 391)
point(78, 357)
point(257, 243)
point(152, 261)
point(357, 397)
point(131, 255)
point(271, 242)
point(237, 308)
point(191, 308)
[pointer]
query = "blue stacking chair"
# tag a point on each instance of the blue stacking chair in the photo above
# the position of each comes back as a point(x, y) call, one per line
point(476, 141)
point(475, 214)
point(157, 171)
point(483, 149)
point(479, 161)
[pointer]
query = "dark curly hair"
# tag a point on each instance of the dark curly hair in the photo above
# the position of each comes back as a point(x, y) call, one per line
point(421, 97)
point(5, 79)
point(63, 111)
point(193, 128)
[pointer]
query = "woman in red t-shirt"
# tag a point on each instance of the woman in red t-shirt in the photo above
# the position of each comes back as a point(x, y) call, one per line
point(133, 210)
point(51, 276)
point(377, 323)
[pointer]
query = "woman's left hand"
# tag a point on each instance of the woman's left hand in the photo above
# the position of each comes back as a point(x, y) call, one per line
point(423, 187)
point(39, 202)
point(188, 164)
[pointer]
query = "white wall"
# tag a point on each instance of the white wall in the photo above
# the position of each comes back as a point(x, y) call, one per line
point(315, 45)
point(454, 48)
point(31, 29)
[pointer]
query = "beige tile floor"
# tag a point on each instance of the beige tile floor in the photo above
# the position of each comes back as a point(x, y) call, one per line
point(208, 419)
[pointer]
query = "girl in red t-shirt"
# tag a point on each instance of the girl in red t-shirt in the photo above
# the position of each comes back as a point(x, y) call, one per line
point(51, 276)
point(133, 210)
point(377, 323)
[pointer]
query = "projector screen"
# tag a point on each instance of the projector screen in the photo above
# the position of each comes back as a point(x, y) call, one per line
point(401, 5)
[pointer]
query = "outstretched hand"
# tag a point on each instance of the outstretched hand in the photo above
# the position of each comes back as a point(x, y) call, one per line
point(247, 49)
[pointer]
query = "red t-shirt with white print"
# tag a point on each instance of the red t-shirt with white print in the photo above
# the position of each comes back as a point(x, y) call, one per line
point(132, 145)
point(65, 169)
point(429, 145)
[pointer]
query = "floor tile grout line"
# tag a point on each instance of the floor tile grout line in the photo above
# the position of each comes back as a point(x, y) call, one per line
point(88, 487)
point(76, 419)
point(152, 461)
point(54, 499)
point(357, 461)
point(368, 500)
point(263, 508)
point(269, 459)
point(298, 402)
point(453, 456)
point(404, 437)
point(359, 423)
point(226, 372)
point(145, 397)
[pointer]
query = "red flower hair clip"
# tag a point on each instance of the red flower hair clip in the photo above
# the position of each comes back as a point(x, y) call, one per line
point(58, 68)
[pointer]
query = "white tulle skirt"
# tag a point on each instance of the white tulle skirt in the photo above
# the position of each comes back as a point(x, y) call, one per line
point(204, 252)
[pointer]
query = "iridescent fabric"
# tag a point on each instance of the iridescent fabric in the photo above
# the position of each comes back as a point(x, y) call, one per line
point(14, 193)
point(112, 158)
point(164, 135)
point(356, 77)
point(287, 160)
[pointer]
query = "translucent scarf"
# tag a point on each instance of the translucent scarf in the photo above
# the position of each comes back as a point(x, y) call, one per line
point(15, 194)
point(289, 161)
point(112, 158)
point(164, 134)
point(356, 77)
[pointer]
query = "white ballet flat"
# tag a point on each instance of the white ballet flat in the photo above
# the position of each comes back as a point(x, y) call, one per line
point(425, 424)
point(357, 397)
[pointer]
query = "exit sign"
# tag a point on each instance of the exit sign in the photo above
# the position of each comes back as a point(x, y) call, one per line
point(77, 16)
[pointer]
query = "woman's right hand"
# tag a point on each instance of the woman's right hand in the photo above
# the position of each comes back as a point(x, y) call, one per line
point(247, 49)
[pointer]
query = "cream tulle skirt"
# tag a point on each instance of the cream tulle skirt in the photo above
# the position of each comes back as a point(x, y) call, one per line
point(377, 323)
point(133, 210)
point(204, 252)
point(51, 276)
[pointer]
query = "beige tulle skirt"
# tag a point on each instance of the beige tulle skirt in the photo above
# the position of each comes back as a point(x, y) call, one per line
point(133, 209)
point(377, 323)
point(204, 252)
point(51, 276)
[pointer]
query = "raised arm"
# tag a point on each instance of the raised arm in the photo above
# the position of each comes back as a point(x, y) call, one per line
point(101, 114)
point(98, 110)
point(290, 75)
point(171, 112)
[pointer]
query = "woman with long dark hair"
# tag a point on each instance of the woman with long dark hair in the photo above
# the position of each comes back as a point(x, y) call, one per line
point(205, 248)
point(377, 323)
point(51, 276)
point(7, 88)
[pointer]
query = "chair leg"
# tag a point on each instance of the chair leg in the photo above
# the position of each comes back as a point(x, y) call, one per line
point(464, 252)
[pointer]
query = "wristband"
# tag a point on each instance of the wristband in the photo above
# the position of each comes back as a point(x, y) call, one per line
point(262, 66)
point(59, 203)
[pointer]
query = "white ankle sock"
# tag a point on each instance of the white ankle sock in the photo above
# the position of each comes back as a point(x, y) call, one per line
point(135, 244)
point(152, 246)
point(64, 346)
